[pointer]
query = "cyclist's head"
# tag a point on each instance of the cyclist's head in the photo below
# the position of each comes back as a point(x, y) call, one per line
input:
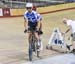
point(34, 8)
point(29, 6)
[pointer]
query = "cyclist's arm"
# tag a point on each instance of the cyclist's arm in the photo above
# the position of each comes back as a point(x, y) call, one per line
point(25, 23)
point(68, 30)
point(38, 25)
point(39, 18)
point(41, 26)
point(40, 22)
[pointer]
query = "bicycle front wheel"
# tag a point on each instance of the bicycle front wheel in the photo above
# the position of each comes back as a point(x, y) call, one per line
point(30, 53)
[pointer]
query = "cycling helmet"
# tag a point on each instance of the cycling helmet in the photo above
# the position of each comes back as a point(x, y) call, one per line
point(29, 5)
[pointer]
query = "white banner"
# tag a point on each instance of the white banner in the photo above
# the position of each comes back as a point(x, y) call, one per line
point(1, 12)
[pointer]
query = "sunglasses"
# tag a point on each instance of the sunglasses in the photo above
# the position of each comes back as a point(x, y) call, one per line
point(28, 8)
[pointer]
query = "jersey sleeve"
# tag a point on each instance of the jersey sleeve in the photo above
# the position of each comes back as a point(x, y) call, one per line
point(25, 17)
point(39, 17)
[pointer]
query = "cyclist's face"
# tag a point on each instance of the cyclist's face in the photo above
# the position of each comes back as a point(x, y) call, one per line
point(29, 9)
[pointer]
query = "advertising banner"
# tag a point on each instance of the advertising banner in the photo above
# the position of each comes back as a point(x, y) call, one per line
point(6, 12)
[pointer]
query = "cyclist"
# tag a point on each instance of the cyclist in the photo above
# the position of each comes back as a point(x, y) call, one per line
point(32, 22)
point(71, 25)
point(40, 29)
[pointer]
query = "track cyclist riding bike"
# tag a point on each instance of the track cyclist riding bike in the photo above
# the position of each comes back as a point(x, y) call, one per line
point(31, 23)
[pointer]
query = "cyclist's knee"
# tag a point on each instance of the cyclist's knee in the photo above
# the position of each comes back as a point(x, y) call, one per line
point(36, 35)
point(29, 35)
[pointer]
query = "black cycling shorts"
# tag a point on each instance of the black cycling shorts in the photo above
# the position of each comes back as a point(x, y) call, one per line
point(32, 26)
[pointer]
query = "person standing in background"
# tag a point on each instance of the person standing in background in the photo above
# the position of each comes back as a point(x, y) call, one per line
point(71, 26)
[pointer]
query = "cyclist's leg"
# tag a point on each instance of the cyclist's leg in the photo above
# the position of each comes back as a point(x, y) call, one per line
point(37, 37)
point(29, 39)
point(38, 44)
point(29, 36)
point(41, 44)
point(40, 33)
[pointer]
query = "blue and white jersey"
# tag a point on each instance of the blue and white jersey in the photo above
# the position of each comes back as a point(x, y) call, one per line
point(32, 17)
point(40, 17)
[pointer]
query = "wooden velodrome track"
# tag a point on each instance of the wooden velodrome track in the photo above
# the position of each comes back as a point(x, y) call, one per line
point(13, 41)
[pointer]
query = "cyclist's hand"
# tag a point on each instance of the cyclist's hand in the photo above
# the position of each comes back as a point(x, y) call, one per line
point(25, 30)
point(41, 32)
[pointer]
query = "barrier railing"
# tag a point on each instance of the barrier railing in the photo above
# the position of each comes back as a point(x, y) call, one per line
point(7, 12)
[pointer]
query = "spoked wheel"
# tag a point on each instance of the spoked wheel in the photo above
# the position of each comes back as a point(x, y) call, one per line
point(30, 52)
